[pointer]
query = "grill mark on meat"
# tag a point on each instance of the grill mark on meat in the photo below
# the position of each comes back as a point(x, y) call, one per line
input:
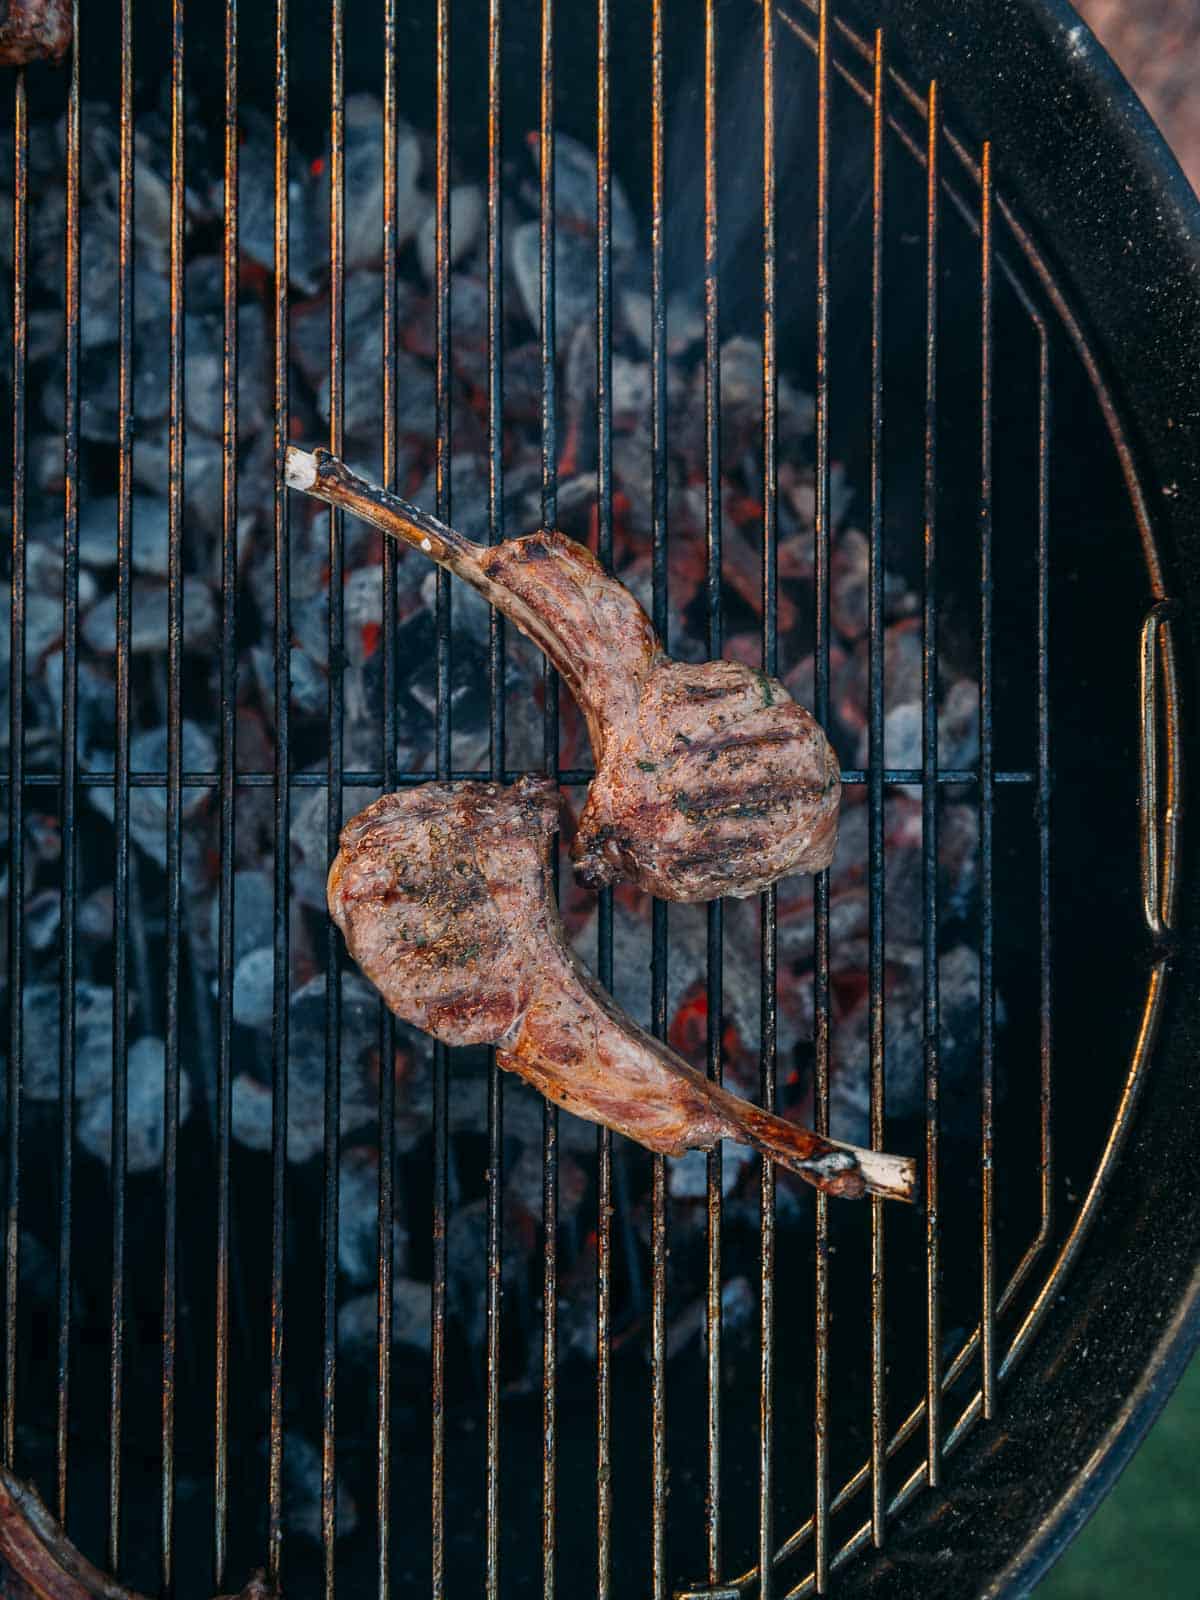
point(749, 742)
point(718, 862)
point(710, 691)
point(740, 801)
point(469, 1007)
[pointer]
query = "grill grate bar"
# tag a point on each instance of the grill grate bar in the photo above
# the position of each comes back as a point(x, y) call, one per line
point(1042, 798)
point(768, 1046)
point(495, 423)
point(225, 912)
point(333, 813)
point(876, 864)
point(821, 996)
point(176, 437)
point(929, 750)
point(282, 814)
point(987, 1005)
point(16, 746)
point(658, 933)
point(712, 601)
point(121, 798)
point(442, 736)
point(547, 331)
point(604, 910)
point(387, 1025)
point(546, 283)
point(70, 766)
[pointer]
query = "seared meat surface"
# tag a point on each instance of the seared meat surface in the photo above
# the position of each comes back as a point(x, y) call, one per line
point(445, 897)
point(710, 779)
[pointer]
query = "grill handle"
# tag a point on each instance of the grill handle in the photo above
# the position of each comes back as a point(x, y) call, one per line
point(1159, 824)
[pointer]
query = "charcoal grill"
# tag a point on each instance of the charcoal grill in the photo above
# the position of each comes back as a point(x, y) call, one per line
point(958, 225)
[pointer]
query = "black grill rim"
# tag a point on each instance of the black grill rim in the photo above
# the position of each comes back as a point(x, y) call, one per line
point(1133, 224)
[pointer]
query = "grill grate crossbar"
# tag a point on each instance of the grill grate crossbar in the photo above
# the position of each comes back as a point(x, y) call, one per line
point(373, 777)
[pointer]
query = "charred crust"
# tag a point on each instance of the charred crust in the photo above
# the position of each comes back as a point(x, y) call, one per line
point(713, 863)
point(764, 739)
point(469, 1008)
point(846, 1185)
point(594, 867)
point(605, 844)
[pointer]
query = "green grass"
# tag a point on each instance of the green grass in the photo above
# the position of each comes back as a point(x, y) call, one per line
point(1145, 1538)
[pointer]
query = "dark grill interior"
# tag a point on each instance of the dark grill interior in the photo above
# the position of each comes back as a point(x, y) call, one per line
point(190, 1328)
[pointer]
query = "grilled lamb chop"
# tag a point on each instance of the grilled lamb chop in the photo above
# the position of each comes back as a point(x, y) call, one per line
point(445, 897)
point(710, 779)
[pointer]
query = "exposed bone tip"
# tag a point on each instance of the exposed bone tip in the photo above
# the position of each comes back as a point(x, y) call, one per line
point(299, 468)
point(894, 1177)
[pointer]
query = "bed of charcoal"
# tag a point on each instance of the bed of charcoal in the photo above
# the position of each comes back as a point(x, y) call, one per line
point(362, 680)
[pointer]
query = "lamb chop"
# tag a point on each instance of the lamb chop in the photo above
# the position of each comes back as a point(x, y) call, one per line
point(445, 896)
point(710, 779)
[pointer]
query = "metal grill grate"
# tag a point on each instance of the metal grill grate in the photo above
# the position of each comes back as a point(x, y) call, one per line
point(903, 125)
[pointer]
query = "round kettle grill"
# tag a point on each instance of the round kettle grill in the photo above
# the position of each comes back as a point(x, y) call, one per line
point(955, 227)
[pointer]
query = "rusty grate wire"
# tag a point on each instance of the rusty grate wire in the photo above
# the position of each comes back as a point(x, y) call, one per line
point(916, 119)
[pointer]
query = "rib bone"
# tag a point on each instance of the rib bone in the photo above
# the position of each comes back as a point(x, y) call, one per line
point(445, 896)
point(710, 780)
